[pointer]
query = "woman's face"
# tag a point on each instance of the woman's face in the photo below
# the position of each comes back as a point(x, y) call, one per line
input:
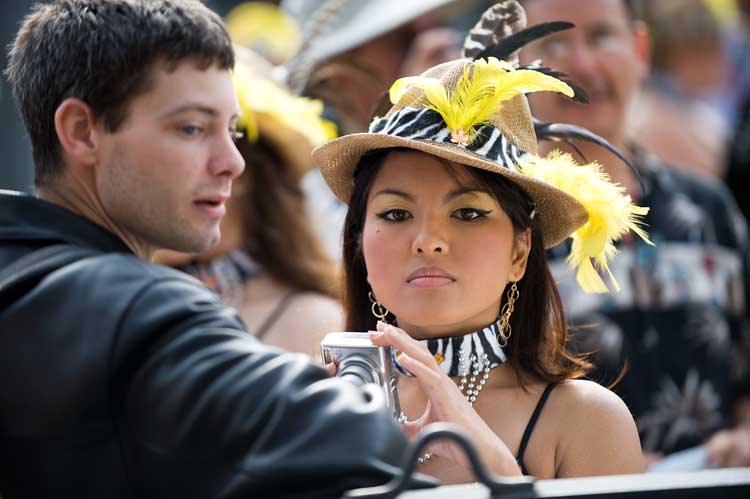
point(438, 248)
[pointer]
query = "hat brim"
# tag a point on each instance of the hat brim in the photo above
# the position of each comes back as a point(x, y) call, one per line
point(558, 213)
point(359, 22)
point(293, 147)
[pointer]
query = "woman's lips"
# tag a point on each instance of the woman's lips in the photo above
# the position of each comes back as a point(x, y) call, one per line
point(429, 277)
point(430, 282)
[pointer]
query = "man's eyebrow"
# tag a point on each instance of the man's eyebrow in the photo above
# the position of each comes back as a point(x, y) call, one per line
point(197, 107)
point(463, 190)
point(394, 192)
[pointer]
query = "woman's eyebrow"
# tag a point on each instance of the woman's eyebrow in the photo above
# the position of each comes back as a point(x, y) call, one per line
point(394, 192)
point(463, 190)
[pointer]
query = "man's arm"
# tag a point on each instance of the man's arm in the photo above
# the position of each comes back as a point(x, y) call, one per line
point(210, 411)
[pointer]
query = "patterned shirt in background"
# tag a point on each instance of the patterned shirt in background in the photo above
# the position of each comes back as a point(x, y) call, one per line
point(680, 322)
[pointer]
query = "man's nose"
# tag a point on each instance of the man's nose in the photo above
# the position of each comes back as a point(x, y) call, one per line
point(227, 161)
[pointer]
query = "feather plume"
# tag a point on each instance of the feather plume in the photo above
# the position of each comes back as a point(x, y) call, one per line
point(479, 94)
point(301, 65)
point(580, 93)
point(507, 47)
point(499, 21)
point(611, 214)
point(567, 133)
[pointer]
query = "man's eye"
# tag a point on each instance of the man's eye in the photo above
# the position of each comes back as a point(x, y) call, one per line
point(191, 129)
point(556, 49)
point(606, 40)
point(236, 135)
point(469, 214)
point(395, 215)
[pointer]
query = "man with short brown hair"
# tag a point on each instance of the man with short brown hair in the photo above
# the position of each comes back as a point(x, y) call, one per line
point(121, 378)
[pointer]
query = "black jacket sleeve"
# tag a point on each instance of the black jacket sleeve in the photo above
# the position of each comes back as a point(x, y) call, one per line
point(212, 412)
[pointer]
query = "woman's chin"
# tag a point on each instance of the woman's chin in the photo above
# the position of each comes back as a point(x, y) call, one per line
point(423, 326)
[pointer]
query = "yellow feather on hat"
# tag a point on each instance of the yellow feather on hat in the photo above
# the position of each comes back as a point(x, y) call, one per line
point(611, 214)
point(479, 94)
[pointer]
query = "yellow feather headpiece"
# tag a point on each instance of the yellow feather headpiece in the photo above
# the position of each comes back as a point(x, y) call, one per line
point(260, 96)
point(265, 29)
point(479, 94)
point(611, 214)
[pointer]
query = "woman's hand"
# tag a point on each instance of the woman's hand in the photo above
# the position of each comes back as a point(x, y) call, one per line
point(445, 403)
point(331, 369)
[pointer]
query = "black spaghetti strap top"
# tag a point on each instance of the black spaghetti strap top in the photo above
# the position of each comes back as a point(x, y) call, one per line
point(274, 316)
point(530, 426)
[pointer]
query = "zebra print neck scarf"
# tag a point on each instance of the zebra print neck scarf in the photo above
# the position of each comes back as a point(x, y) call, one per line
point(454, 353)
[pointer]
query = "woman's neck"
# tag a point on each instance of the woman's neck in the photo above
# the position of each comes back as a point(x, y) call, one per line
point(419, 332)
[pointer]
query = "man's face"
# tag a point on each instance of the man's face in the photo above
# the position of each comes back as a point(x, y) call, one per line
point(165, 175)
point(605, 53)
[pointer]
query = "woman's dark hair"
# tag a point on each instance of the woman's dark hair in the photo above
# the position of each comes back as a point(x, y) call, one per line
point(537, 348)
point(276, 227)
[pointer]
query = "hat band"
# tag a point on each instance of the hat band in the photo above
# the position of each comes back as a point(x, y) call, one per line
point(427, 124)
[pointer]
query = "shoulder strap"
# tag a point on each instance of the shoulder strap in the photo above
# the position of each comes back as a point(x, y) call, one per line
point(531, 424)
point(274, 315)
point(39, 263)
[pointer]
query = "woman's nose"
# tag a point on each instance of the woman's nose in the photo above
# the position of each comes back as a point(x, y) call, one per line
point(429, 241)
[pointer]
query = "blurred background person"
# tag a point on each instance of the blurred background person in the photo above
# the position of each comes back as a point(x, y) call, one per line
point(681, 318)
point(737, 175)
point(269, 264)
point(687, 106)
point(351, 51)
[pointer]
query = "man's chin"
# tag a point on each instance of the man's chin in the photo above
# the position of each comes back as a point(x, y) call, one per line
point(198, 244)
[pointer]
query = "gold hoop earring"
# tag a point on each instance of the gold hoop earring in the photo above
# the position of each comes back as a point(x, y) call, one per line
point(505, 330)
point(377, 308)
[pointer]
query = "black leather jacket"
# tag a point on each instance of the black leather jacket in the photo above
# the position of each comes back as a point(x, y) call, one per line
point(121, 378)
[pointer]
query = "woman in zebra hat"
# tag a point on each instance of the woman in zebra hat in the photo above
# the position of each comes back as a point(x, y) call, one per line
point(450, 213)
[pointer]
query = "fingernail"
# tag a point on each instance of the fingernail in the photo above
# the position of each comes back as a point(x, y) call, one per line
point(376, 333)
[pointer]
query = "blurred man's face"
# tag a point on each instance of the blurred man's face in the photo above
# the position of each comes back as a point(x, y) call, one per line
point(605, 53)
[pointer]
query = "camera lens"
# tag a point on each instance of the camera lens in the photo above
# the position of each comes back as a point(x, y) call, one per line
point(358, 370)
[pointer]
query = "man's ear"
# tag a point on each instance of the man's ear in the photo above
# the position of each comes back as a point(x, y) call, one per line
point(75, 127)
point(520, 255)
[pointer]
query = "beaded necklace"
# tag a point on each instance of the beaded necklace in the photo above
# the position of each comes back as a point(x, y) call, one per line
point(481, 350)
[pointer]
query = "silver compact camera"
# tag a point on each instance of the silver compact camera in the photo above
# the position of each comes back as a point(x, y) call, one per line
point(361, 362)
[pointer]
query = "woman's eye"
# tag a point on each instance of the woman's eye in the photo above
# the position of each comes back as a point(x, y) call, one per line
point(236, 135)
point(469, 214)
point(394, 215)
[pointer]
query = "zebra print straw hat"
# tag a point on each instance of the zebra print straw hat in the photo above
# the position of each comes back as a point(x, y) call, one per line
point(473, 112)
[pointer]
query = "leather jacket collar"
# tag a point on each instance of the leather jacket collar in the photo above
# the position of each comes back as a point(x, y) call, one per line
point(26, 219)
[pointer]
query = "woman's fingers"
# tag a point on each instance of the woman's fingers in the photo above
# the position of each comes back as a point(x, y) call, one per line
point(332, 369)
point(387, 335)
point(427, 376)
point(412, 427)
